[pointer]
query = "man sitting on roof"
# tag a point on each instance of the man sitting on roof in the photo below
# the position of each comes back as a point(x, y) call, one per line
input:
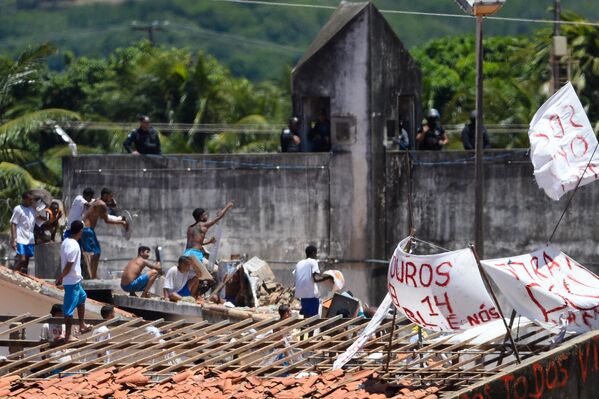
point(184, 280)
point(133, 280)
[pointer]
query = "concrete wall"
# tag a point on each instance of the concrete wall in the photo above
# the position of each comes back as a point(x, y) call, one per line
point(519, 217)
point(307, 200)
point(281, 202)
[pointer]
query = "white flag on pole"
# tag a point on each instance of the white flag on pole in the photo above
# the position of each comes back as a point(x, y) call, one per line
point(562, 142)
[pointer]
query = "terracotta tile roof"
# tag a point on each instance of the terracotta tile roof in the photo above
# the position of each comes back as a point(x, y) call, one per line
point(211, 384)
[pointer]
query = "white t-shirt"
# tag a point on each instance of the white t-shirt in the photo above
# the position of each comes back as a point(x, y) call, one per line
point(175, 280)
point(77, 210)
point(70, 252)
point(51, 332)
point(24, 218)
point(102, 334)
point(305, 287)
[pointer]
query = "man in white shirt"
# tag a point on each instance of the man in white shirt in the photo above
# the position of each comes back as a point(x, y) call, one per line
point(22, 223)
point(78, 207)
point(182, 281)
point(53, 333)
point(307, 274)
point(74, 295)
point(102, 333)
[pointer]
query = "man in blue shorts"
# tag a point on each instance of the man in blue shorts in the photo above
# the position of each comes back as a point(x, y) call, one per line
point(307, 274)
point(89, 242)
point(70, 276)
point(133, 280)
point(22, 224)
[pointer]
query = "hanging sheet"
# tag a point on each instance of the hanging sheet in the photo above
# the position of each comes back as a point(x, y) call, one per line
point(562, 143)
point(547, 285)
point(442, 292)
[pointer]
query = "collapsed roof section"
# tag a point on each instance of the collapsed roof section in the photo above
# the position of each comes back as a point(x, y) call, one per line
point(158, 351)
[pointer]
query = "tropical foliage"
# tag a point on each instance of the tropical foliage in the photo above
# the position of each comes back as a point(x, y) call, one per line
point(21, 162)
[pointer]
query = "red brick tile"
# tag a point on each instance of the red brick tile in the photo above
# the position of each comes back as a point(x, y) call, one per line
point(135, 379)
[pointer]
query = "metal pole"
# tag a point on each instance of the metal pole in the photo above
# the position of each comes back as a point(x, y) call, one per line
point(490, 287)
point(478, 168)
point(555, 58)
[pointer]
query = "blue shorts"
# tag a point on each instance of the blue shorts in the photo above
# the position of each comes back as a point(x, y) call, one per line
point(89, 241)
point(310, 306)
point(138, 284)
point(185, 290)
point(199, 255)
point(25, 249)
point(74, 295)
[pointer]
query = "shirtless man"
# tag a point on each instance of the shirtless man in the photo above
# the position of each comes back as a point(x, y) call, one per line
point(196, 233)
point(89, 242)
point(133, 280)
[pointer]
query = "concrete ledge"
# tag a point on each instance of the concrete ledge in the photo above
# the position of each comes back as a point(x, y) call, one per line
point(208, 312)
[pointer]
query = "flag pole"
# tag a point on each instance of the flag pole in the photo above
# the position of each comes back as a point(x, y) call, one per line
point(490, 287)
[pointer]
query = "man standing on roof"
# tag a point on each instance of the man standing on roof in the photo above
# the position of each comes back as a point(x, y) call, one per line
point(70, 276)
point(144, 139)
point(78, 208)
point(307, 274)
point(22, 224)
point(133, 280)
point(89, 242)
point(196, 233)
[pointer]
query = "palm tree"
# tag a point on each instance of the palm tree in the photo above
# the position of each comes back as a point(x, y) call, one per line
point(21, 164)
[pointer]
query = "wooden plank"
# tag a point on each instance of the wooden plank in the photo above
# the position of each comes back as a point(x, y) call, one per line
point(139, 331)
point(70, 345)
point(204, 330)
point(26, 324)
point(298, 343)
point(215, 342)
point(80, 354)
point(13, 319)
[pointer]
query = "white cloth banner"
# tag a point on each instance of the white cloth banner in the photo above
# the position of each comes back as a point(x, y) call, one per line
point(546, 285)
point(376, 320)
point(442, 292)
point(562, 143)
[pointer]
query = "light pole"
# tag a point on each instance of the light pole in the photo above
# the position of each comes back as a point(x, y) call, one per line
point(479, 9)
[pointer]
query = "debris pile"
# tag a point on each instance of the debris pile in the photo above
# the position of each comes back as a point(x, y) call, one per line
point(273, 293)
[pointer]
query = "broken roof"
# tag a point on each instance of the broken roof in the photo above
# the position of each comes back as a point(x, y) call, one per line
point(226, 357)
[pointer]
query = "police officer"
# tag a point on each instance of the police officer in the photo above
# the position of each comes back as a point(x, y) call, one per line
point(144, 139)
point(431, 136)
point(290, 136)
point(469, 134)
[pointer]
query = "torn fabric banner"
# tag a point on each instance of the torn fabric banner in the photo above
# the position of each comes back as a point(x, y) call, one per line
point(441, 292)
point(562, 142)
point(370, 328)
point(546, 286)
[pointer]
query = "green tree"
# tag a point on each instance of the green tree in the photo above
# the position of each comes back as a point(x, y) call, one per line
point(21, 163)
